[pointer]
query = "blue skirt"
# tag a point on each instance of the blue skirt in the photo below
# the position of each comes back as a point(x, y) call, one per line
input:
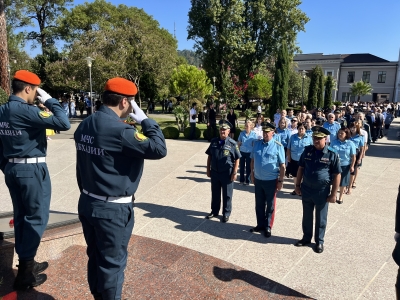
point(345, 179)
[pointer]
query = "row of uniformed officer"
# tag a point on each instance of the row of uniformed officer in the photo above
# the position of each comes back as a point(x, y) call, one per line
point(23, 149)
point(111, 154)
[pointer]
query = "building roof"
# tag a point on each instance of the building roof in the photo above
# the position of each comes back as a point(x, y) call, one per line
point(362, 58)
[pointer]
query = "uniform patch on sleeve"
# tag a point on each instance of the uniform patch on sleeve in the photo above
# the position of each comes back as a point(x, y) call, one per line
point(140, 137)
point(44, 114)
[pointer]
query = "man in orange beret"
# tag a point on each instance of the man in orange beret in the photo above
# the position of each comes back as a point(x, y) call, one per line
point(23, 149)
point(111, 154)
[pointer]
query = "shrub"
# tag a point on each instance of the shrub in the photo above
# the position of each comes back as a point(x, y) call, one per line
point(170, 132)
point(186, 133)
point(3, 97)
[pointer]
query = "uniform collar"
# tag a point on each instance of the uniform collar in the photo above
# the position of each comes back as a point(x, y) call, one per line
point(16, 98)
point(325, 150)
point(108, 111)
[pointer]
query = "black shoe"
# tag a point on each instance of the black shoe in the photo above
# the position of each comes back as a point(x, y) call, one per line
point(211, 215)
point(267, 232)
point(26, 278)
point(302, 243)
point(319, 248)
point(224, 219)
point(40, 267)
point(257, 229)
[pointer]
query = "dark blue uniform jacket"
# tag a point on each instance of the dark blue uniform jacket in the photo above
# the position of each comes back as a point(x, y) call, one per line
point(23, 128)
point(110, 153)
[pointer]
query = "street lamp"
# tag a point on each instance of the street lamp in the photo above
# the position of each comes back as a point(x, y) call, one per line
point(303, 75)
point(214, 79)
point(89, 64)
point(9, 76)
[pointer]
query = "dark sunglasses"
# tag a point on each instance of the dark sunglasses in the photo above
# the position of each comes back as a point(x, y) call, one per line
point(293, 121)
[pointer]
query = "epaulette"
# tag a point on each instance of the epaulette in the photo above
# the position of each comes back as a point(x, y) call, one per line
point(278, 143)
point(332, 149)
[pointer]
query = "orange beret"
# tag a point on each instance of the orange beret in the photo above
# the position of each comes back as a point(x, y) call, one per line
point(27, 77)
point(121, 86)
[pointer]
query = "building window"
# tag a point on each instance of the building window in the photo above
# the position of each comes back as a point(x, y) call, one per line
point(350, 77)
point(348, 97)
point(381, 76)
point(366, 76)
point(329, 73)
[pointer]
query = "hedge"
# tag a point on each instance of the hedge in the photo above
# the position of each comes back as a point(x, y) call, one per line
point(186, 133)
point(170, 132)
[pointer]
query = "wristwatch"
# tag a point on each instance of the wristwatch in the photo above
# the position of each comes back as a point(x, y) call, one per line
point(280, 180)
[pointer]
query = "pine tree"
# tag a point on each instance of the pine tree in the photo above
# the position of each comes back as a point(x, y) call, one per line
point(328, 92)
point(321, 87)
point(280, 87)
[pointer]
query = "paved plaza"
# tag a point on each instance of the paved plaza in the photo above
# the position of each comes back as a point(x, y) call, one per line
point(174, 197)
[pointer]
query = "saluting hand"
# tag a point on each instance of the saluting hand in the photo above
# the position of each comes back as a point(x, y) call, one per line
point(43, 95)
point(138, 115)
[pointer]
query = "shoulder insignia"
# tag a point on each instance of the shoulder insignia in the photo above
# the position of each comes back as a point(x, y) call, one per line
point(140, 137)
point(278, 142)
point(332, 149)
point(237, 147)
point(44, 114)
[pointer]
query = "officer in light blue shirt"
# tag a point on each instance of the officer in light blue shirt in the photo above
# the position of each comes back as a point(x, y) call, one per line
point(268, 169)
point(245, 142)
point(332, 126)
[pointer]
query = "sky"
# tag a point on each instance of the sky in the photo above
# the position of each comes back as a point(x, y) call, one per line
point(335, 27)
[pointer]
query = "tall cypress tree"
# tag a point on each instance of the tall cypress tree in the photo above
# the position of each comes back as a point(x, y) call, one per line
point(328, 92)
point(280, 87)
point(316, 89)
point(321, 86)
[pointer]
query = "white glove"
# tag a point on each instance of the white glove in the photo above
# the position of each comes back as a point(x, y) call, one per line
point(43, 96)
point(138, 115)
point(397, 237)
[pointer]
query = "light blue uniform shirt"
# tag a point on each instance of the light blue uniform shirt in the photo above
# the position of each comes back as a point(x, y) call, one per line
point(285, 136)
point(345, 150)
point(358, 141)
point(309, 132)
point(247, 141)
point(333, 129)
point(267, 159)
point(297, 145)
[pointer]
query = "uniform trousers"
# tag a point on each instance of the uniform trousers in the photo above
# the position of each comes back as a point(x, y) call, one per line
point(30, 190)
point(265, 193)
point(245, 165)
point(107, 228)
point(192, 134)
point(314, 198)
point(221, 181)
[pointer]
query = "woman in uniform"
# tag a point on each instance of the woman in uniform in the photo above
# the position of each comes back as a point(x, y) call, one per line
point(347, 154)
point(295, 148)
point(358, 141)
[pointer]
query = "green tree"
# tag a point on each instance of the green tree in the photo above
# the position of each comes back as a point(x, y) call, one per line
point(43, 14)
point(242, 34)
point(296, 89)
point(360, 88)
point(321, 87)
point(191, 83)
point(140, 49)
point(315, 96)
point(329, 85)
point(191, 57)
point(3, 97)
point(281, 81)
point(260, 87)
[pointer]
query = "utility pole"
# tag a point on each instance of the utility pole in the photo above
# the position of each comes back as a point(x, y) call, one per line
point(4, 74)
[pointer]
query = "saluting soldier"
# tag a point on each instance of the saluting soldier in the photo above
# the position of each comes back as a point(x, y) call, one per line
point(267, 172)
point(318, 179)
point(23, 149)
point(222, 165)
point(110, 156)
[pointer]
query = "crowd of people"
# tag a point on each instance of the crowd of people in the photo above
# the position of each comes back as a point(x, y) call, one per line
point(321, 149)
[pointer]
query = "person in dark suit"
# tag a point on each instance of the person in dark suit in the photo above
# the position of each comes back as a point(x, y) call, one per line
point(211, 117)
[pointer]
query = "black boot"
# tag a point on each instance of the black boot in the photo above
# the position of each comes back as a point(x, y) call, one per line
point(40, 267)
point(26, 278)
